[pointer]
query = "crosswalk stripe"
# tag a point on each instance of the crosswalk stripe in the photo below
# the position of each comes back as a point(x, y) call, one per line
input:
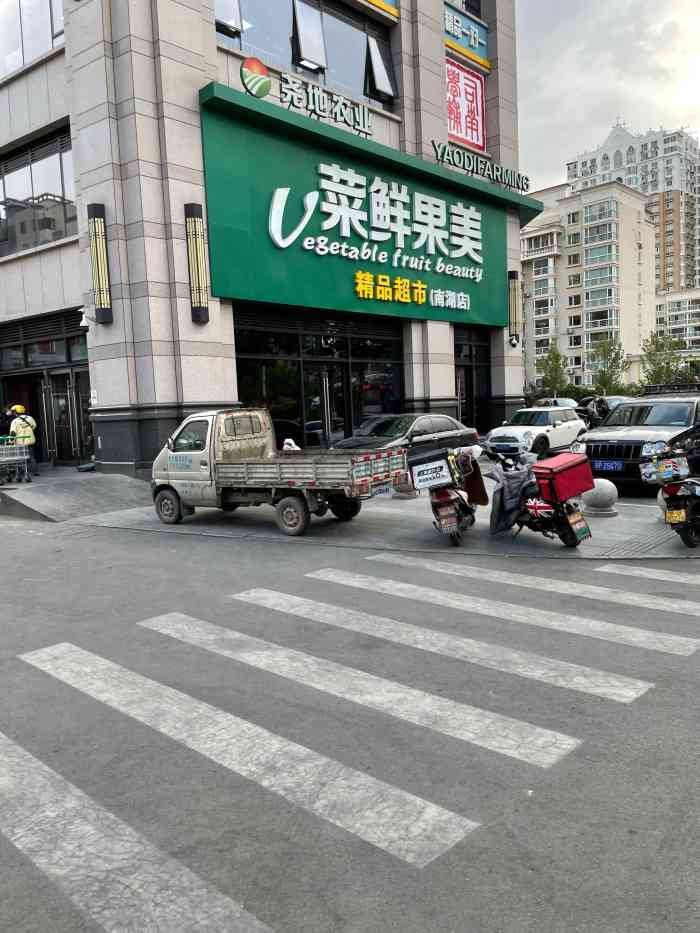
point(577, 625)
point(615, 687)
point(109, 871)
point(653, 573)
point(568, 588)
point(502, 734)
point(392, 819)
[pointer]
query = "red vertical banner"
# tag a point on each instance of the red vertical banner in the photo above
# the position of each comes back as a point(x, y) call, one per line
point(466, 108)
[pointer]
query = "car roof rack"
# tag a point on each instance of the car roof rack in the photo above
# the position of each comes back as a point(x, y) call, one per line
point(685, 388)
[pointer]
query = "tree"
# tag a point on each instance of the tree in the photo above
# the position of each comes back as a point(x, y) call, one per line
point(552, 368)
point(609, 356)
point(661, 363)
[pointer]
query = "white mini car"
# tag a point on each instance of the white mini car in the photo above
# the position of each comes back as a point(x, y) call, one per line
point(537, 430)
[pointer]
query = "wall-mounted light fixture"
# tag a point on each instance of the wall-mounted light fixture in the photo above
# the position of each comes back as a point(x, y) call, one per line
point(99, 259)
point(197, 263)
point(514, 308)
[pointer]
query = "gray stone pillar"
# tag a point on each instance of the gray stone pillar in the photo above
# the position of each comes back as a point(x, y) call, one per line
point(135, 69)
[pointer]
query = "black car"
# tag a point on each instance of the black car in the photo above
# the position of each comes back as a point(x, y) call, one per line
point(419, 433)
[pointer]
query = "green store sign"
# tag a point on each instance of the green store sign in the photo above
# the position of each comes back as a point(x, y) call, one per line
point(304, 214)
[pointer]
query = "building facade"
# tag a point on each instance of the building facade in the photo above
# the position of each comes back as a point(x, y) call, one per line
point(678, 316)
point(165, 166)
point(663, 165)
point(588, 276)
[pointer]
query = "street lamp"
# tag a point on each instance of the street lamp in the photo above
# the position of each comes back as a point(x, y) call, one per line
point(99, 260)
point(197, 263)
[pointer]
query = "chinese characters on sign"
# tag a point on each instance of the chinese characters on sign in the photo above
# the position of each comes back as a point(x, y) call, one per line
point(316, 101)
point(467, 32)
point(383, 214)
point(407, 291)
point(466, 122)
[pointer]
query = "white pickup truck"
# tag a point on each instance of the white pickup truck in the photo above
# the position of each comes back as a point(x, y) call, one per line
point(228, 458)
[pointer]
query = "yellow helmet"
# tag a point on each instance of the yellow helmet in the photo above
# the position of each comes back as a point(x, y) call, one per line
point(19, 409)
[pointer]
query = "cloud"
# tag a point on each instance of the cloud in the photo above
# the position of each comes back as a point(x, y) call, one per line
point(583, 66)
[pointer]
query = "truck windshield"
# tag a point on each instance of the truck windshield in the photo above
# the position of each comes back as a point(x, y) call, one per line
point(531, 418)
point(661, 414)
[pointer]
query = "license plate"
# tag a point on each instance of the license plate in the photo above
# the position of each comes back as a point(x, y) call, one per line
point(580, 526)
point(608, 466)
point(675, 517)
point(448, 527)
point(383, 489)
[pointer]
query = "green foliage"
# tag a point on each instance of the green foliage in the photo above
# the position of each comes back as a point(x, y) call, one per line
point(610, 357)
point(552, 368)
point(661, 362)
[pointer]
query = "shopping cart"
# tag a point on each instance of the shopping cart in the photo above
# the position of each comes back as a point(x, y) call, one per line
point(14, 461)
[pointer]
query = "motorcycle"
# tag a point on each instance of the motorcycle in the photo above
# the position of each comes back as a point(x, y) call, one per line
point(540, 495)
point(675, 467)
point(456, 487)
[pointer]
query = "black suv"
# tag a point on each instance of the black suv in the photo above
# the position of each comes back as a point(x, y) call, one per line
point(638, 428)
point(419, 433)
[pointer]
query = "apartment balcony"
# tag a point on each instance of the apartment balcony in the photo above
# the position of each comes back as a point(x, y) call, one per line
point(553, 249)
point(609, 323)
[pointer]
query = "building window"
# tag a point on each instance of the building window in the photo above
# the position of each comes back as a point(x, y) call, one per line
point(574, 217)
point(472, 6)
point(574, 301)
point(573, 239)
point(574, 259)
point(575, 340)
point(574, 279)
point(541, 267)
point(598, 254)
point(574, 320)
point(37, 200)
point(344, 50)
point(28, 29)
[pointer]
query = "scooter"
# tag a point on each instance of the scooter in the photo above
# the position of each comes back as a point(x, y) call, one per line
point(671, 466)
point(456, 487)
point(539, 498)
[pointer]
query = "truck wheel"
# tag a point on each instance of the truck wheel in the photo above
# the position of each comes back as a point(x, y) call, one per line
point(345, 509)
point(168, 507)
point(293, 515)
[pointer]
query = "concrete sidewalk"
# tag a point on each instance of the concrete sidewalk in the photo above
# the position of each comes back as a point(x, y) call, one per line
point(406, 525)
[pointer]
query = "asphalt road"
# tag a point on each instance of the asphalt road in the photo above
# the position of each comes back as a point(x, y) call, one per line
point(242, 735)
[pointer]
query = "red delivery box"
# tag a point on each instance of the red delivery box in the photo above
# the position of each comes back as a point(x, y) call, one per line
point(563, 477)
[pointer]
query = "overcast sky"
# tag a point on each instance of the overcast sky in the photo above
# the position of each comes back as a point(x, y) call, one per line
point(581, 65)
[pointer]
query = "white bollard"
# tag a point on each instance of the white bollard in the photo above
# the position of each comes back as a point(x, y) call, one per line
point(601, 501)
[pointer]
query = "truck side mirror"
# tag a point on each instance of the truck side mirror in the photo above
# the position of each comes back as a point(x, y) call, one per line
point(171, 443)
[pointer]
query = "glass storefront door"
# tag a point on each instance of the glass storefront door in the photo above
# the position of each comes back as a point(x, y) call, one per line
point(325, 400)
point(307, 368)
point(61, 414)
point(473, 376)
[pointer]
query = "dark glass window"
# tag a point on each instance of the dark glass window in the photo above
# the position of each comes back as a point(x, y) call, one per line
point(57, 19)
point(471, 6)
point(325, 346)
point(10, 37)
point(267, 30)
point(46, 353)
point(370, 348)
point(77, 348)
point(193, 436)
point(11, 358)
point(37, 38)
point(376, 390)
point(263, 343)
point(228, 16)
point(37, 201)
point(340, 48)
point(346, 43)
point(423, 426)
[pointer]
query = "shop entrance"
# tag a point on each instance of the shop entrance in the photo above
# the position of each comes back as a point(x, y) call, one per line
point(320, 376)
point(43, 366)
point(473, 376)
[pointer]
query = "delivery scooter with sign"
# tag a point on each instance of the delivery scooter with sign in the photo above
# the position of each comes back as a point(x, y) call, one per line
point(456, 487)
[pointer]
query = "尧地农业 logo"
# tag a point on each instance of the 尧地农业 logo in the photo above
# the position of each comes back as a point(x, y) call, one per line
point(255, 77)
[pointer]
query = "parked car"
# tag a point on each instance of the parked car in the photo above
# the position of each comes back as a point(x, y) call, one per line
point(557, 403)
point(537, 430)
point(418, 433)
point(594, 409)
point(634, 429)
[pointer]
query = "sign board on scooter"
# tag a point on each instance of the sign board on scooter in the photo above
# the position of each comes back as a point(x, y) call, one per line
point(434, 473)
